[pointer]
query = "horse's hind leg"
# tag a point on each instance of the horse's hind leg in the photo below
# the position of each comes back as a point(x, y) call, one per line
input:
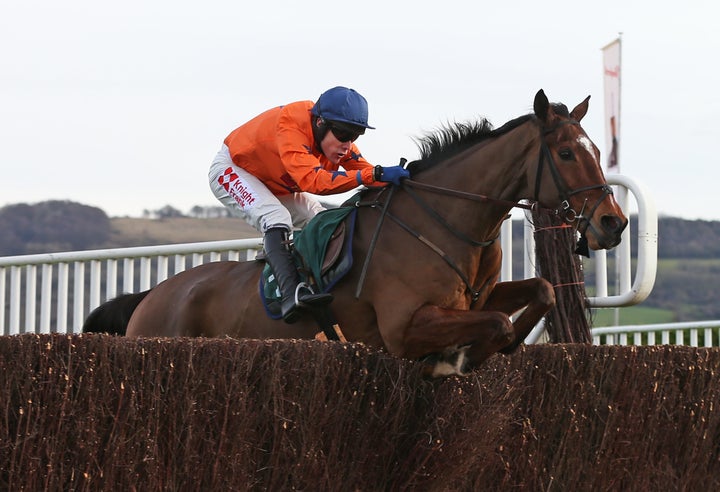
point(536, 295)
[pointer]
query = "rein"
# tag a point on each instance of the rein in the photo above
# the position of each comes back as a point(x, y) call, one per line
point(476, 197)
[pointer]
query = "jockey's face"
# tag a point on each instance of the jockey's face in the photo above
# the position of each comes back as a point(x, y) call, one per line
point(333, 148)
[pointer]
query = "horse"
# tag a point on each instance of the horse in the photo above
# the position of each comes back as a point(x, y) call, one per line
point(428, 288)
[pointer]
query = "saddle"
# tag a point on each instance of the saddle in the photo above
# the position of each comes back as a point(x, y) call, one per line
point(322, 252)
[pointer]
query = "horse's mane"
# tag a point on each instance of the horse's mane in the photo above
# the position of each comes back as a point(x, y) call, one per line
point(454, 138)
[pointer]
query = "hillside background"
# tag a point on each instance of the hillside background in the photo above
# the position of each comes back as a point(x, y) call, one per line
point(686, 287)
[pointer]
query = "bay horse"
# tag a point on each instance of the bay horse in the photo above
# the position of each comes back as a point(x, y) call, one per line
point(430, 290)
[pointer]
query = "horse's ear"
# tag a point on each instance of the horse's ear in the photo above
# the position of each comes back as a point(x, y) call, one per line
point(580, 110)
point(541, 106)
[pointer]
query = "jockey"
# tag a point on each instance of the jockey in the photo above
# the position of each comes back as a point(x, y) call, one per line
point(267, 167)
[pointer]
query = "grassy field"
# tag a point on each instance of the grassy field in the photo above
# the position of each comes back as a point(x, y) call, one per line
point(685, 289)
point(149, 232)
point(634, 315)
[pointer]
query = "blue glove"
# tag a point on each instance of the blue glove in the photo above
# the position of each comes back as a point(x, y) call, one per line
point(392, 174)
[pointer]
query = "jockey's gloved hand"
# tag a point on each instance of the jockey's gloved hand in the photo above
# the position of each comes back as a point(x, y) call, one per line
point(391, 174)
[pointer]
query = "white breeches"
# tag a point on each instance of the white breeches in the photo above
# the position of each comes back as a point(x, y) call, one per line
point(248, 198)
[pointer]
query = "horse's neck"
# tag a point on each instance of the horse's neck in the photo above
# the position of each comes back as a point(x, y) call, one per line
point(497, 169)
point(503, 164)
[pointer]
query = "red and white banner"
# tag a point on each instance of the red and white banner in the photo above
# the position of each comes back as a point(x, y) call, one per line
point(611, 83)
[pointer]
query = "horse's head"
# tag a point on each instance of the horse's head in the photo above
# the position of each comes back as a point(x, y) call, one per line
point(570, 177)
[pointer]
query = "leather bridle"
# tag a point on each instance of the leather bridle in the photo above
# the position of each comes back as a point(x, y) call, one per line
point(564, 192)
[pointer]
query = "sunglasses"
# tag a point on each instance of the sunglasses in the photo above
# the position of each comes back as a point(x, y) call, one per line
point(344, 135)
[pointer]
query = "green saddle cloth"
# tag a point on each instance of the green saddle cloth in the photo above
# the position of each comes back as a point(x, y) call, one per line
point(310, 245)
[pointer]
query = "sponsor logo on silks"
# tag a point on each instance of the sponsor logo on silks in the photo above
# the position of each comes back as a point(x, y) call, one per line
point(227, 177)
point(242, 195)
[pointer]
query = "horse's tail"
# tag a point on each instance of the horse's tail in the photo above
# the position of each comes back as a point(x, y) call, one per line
point(113, 316)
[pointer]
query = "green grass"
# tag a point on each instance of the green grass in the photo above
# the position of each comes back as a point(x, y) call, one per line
point(633, 315)
point(684, 290)
point(674, 263)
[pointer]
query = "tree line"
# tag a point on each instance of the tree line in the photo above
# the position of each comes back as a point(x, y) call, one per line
point(197, 212)
point(61, 225)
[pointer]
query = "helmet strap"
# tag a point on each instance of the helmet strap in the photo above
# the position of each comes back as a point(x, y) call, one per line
point(320, 129)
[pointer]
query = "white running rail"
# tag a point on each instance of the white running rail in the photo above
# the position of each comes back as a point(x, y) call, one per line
point(683, 333)
point(111, 272)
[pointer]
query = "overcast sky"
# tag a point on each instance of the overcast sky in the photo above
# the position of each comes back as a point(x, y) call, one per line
point(122, 105)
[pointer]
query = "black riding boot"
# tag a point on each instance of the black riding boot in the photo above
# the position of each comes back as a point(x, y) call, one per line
point(295, 294)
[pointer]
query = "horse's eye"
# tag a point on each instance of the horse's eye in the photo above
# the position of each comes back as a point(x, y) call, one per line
point(566, 154)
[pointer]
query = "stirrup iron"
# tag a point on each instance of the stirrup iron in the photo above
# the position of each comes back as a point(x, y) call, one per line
point(302, 285)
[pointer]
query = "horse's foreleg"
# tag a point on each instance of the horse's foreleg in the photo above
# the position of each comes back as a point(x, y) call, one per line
point(460, 339)
point(536, 295)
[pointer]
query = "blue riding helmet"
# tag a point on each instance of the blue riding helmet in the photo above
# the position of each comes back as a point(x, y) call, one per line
point(343, 105)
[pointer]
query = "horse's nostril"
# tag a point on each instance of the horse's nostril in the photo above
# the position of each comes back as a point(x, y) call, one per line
point(613, 223)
